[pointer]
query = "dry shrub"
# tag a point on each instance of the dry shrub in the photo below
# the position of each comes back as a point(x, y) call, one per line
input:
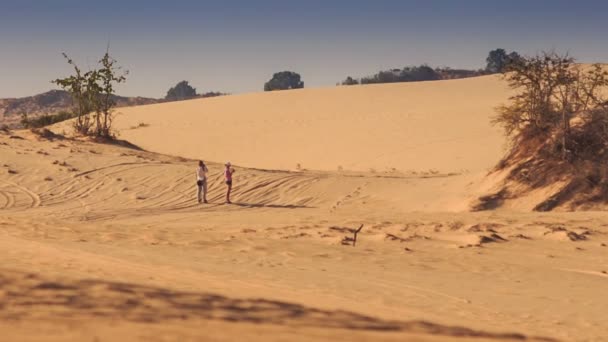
point(557, 125)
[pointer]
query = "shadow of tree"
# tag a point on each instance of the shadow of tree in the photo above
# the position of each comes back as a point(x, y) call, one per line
point(29, 296)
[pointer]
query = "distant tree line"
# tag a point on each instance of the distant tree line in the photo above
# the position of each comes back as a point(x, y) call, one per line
point(184, 91)
point(283, 80)
point(411, 74)
point(496, 62)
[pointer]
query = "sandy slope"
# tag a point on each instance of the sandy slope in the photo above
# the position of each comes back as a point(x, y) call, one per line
point(439, 131)
point(408, 126)
point(106, 242)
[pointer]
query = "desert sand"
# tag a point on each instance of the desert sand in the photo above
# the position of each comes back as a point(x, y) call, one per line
point(106, 242)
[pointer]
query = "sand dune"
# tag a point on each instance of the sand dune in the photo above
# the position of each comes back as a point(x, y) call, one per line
point(420, 126)
point(436, 131)
point(107, 242)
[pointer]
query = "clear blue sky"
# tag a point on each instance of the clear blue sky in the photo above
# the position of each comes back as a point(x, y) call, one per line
point(236, 45)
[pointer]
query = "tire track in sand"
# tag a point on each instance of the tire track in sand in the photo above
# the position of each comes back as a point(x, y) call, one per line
point(34, 198)
point(9, 200)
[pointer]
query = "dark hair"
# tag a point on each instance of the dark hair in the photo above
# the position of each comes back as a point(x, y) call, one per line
point(201, 163)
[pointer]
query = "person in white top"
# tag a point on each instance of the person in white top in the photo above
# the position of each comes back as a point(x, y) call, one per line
point(201, 182)
point(228, 175)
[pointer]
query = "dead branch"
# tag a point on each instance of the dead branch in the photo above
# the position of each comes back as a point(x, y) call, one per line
point(355, 233)
point(347, 240)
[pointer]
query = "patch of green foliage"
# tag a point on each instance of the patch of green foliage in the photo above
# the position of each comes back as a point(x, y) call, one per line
point(46, 119)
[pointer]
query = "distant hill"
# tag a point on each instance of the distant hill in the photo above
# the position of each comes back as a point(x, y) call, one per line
point(52, 102)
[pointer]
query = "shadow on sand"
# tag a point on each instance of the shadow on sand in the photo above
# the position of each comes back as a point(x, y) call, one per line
point(277, 206)
point(30, 296)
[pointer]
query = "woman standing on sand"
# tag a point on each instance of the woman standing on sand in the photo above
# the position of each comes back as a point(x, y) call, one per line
point(228, 175)
point(201, 181)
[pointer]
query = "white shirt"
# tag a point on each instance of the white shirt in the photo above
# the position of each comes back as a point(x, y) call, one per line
point(201, 173)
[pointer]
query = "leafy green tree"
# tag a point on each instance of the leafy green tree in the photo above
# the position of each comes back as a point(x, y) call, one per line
point(104, 80)
point(181, 91)
point(78, 87)
point(284, 80)
point(499, 59)
point(93, 95)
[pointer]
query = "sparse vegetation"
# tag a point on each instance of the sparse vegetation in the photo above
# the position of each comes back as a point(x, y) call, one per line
point(284, 80)
point(557, 124)
point(104, 80)
point(140, 125)
point(51, 103)
point(554, 93)
point(211, 94)
point(76, 85)
point(93, 95)
point(45, 120)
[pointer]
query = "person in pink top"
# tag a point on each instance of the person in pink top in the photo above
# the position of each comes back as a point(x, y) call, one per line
point(228, 175)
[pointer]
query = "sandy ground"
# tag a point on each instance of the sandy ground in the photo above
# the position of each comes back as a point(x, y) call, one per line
point(101, 242)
